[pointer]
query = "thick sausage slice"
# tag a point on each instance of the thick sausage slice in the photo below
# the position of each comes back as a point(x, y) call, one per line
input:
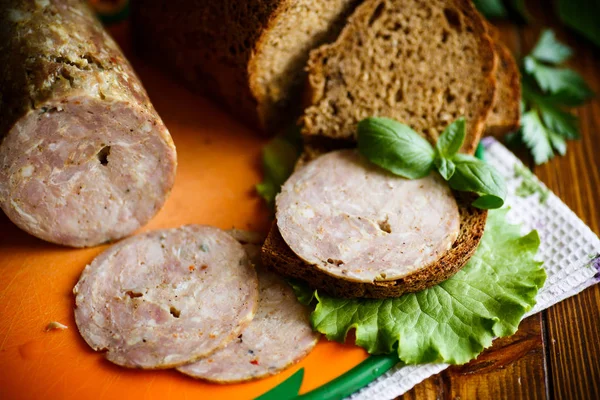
point(166, 298)
point(355, 221)
point(279, 335)
point(84, 157)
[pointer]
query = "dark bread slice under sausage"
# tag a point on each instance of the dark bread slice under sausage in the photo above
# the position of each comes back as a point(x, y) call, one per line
point(276, 254)
point(84, 158)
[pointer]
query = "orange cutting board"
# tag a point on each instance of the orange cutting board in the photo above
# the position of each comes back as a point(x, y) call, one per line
point(219, 164)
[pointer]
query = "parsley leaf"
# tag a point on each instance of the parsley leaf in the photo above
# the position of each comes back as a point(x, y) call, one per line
point(550, 50)
point(558, 120)
point(565, 84)
point(501, 9)
point(546, 90)
point(491, 8)
point(581, 15)
point(536, 137)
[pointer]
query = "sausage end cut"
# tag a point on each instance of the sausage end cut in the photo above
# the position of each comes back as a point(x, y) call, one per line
point(84, 157)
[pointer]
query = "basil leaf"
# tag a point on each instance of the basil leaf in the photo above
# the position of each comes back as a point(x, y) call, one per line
point(474, 175)
point(550, 50)
point(451, 140)
point(445, 167)
point(395, 147)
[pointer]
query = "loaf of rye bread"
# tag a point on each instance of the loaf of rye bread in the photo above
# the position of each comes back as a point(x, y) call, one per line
point(249, 55)
point(424, 63)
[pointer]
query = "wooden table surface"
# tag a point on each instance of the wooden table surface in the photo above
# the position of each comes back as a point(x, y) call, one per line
point(555, 354)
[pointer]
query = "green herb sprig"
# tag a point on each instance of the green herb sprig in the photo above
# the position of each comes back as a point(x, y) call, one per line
point(279, 157)
point(501, 9)
point(547, 90)
point(400, 150)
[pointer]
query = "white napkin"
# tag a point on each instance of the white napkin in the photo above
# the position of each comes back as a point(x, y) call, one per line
point(569, 249)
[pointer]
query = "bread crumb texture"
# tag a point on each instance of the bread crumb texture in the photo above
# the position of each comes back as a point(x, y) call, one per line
point(381, 65)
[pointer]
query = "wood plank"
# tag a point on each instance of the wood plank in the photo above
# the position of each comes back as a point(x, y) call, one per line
point(572, 327)
point(512, 369)
point(429, 389)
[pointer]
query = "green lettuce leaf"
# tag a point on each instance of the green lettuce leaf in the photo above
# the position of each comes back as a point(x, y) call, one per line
point(453, 321)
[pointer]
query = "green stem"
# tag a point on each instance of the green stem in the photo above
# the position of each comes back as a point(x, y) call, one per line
point(357, 378)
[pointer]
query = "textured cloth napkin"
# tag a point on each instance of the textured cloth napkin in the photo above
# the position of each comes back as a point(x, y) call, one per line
point(569, 249)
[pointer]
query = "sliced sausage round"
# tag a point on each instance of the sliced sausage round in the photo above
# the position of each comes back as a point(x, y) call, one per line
point(279, 335)
point(84, 157)
point(358, 222)
point(166, 298)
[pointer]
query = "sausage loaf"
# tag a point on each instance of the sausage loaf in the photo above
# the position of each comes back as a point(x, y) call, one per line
point(84, 157)
point(166, 298)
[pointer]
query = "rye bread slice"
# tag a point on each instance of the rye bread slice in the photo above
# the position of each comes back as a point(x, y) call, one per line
point(506, 111)
point(277, 255)
point(424, 63)
point(249, 55)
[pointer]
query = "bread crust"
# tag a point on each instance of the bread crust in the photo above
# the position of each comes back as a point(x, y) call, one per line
point(505, 116)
